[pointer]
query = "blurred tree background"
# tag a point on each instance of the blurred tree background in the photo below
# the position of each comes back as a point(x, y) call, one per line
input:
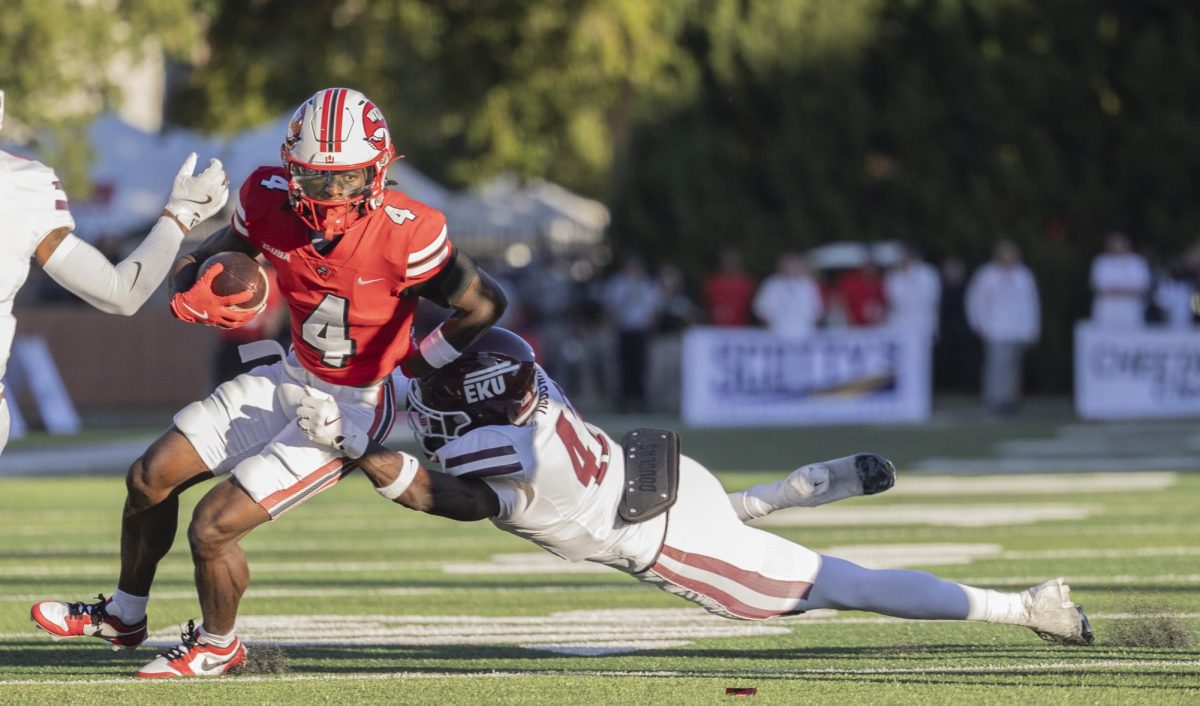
point(769, 123)
point(57, 64)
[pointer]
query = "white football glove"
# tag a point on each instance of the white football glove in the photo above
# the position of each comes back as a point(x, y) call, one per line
point(194, 198)
point(323, 422)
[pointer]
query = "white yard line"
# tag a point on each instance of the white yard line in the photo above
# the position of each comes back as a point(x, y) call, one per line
point(1032, 484)
point(661, 674)
point(255, 593)
point(1081, 464)
point(961, 515)
point(873, 555)
point(579, 632)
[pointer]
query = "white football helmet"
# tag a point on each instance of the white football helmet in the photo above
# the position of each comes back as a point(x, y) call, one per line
point(336, 152)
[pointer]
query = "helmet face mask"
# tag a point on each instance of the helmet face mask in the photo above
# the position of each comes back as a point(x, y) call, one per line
point(490, 384)
point(336, 152)
point(432, 427)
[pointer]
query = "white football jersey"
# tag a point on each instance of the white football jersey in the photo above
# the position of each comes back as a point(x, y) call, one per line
point(32, 204)
point(568, 477)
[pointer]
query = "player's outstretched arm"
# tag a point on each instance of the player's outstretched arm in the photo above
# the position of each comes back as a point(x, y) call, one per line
point(462, 499)
point(478, 303)
point(396, 475)
point(125, 287)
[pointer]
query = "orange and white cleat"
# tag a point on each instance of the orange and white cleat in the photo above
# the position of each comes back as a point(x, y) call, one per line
point(63, 620)
point(191, 658)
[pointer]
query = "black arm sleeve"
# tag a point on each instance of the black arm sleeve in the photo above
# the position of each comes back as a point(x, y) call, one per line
point(447, 286)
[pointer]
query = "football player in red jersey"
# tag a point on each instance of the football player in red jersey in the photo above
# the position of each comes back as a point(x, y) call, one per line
point(352, 259)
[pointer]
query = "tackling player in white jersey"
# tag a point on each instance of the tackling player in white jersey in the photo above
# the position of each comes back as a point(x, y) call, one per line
point(36, 224)
point(514, 450)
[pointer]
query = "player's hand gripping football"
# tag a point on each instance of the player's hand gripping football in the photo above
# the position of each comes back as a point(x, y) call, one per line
point(195, 198)
point(201, 305)
point(322, 421)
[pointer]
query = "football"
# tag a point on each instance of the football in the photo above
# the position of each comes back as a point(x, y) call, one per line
point(241, 273)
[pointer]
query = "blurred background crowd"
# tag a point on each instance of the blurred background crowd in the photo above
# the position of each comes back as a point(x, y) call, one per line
point(988, 172)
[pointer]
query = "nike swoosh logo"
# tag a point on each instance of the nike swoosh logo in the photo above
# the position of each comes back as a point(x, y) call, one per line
point(136, 274)
point(207, 199)
point(369, 281)
point(331, 421)
point(210, 663)
point(199, 314)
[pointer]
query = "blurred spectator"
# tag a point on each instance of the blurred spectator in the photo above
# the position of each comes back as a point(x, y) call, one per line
point(860, 293)
point(1173, 291)
point(271, 323)
point(515, 318)
point(1003, 308)
point(728, 291)
point(789, 301)
point(913, 292)
point(592, 350)
point(956, 356)
point(663, 377)
point(548, 297)
point(1121, 280)
point(633, 301)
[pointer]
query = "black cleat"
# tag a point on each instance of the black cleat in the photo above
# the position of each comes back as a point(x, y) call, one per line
point(875, 472)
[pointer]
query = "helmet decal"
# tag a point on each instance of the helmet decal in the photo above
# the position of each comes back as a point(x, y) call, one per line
point(294, 127)
point(332, 109)
point(487, 383)
point(375, 128)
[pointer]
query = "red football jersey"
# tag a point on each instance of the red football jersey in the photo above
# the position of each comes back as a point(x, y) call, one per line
point(350, 324)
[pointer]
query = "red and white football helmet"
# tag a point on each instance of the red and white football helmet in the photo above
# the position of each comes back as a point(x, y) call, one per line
point(336, 152)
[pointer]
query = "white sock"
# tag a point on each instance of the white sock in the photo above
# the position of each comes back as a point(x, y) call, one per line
point(995, 606)
point(207, 638)
point(127, 607)
point(749, 506)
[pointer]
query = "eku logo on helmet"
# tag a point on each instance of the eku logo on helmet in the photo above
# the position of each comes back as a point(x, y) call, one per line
point(487, 383)
point(375, 127)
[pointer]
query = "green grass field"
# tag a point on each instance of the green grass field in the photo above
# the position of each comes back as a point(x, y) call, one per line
point(354, 600)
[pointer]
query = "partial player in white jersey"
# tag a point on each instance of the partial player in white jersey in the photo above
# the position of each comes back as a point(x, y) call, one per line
point(514, 450)
point(36, 223)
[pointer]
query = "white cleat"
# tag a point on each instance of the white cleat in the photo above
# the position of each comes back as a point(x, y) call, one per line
point(1054, 617)
point(193, 659)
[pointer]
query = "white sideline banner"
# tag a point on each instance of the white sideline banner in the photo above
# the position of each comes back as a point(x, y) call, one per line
point(1136, 372)
point(752, 377)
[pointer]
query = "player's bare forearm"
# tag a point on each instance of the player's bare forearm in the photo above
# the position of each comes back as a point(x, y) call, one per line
point(477, 300)
point(183, 274)
point(479, 307)
point(462, 499)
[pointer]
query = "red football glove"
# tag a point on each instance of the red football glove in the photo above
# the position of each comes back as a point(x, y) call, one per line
point(200, 305)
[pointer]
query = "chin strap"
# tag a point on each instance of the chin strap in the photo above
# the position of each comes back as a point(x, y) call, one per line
point(337, 220)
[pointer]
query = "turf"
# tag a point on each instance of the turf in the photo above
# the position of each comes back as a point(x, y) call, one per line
point(425, 611)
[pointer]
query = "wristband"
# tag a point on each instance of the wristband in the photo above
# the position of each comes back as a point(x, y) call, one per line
point(408, 471)
point(437, 351)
